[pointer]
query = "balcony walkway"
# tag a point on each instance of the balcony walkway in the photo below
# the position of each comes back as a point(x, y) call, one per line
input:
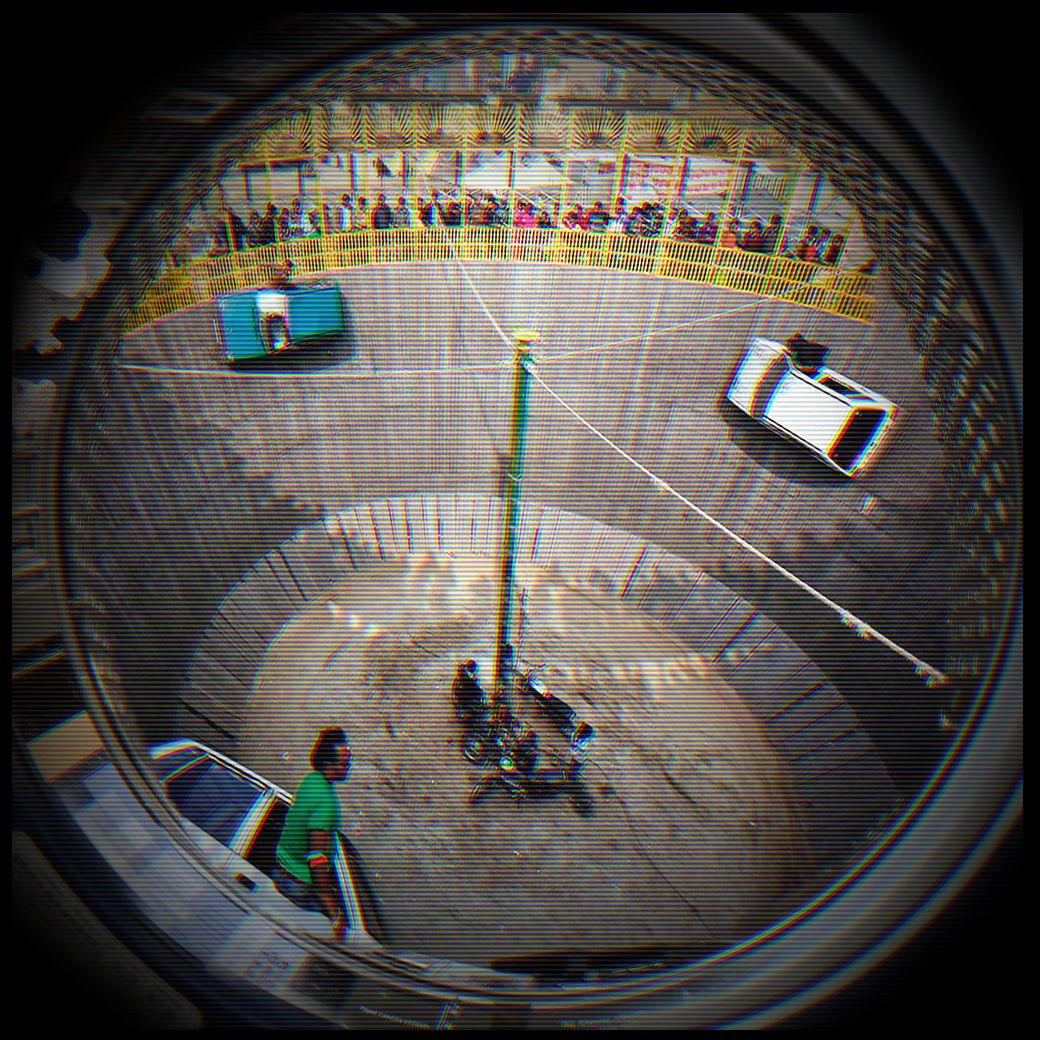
point(816, 287)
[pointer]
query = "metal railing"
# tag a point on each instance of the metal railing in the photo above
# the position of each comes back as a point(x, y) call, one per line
point(818, 287)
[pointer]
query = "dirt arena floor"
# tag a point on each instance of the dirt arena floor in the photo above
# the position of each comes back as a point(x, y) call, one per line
point(693, 837)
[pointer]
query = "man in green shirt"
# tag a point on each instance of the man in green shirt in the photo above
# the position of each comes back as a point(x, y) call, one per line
point(304, 869)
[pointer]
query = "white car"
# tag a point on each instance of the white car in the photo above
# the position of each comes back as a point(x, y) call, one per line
point(787, 388)
point(235, 816)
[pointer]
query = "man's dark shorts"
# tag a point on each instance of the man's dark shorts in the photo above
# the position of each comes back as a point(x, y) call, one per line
point(302, 894)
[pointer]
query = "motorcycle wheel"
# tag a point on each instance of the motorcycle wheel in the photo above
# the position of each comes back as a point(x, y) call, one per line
point(474, 749)
point(480, 791)
point(581, 802)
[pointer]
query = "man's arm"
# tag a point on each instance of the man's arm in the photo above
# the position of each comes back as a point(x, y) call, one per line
point(319, 861)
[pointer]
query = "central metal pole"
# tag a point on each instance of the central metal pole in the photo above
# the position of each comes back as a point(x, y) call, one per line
point(511, 478)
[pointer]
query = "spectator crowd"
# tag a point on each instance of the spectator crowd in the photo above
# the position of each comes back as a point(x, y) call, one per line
point(648, 219)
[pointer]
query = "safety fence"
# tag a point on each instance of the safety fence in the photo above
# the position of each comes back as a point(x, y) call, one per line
point(821, 288)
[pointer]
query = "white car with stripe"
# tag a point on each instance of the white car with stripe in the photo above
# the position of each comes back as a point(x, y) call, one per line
point(787, 388)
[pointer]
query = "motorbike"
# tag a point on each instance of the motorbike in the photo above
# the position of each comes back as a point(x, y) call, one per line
point(509, 749)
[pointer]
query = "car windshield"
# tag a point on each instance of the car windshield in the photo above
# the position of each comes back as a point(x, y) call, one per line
point(211, 796)
point(834, 384)
point(170, 762)
point(857, 436)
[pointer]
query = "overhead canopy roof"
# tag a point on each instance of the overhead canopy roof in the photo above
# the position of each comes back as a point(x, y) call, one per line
point(530, 172)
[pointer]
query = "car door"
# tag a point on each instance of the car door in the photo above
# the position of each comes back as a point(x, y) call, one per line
point(803, 411)
point(254, 863)
point(762, 366)
point(348, 883)
point(314, 312)
point(240, 327)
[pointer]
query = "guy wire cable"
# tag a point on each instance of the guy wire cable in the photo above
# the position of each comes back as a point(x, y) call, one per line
point(931, 674)
point(439, 222)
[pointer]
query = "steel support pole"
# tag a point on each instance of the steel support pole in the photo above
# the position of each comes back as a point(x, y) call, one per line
point(511, 480)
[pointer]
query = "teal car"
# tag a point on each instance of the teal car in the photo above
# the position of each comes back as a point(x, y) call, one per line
point(262, 322)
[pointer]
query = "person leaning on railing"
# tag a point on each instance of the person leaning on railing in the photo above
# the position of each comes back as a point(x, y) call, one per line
point(651, 223)
point(382, 215)
point(822, 243)
point(267, 224)
point(346, 213)
point(754, 238)
point(806, 248)
point(676, 215)
point(636, 222)
point(238, 228)
point(656, 223)
point(218, 239)
point(730, 236)
point(598, 218)
point(574, 219)
point(453, 215)
point(680, 230)
point(770, 234)
point(252, 236)
point(402, 214)
point(619, 215)
point(312, 224)
point(488, 212)
point(835, 248)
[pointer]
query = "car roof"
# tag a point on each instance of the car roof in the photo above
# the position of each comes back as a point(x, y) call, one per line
point(822, 372)
point(808, 411)
point(175, 747)
point(857, 392)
